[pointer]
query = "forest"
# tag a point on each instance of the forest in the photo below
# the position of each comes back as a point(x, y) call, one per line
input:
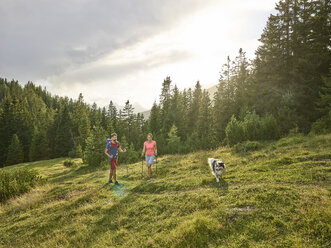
point(285, 88)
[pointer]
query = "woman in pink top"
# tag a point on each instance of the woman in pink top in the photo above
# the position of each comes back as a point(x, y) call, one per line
point(150, 152)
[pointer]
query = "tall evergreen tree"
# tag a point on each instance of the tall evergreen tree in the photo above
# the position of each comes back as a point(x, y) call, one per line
point(39, 146)
point(15, 151)
point(165, 104)
point(64, 140)
point(155, 120)
point(204, 124)
point(95, 146)
point(177, 112)
point(194, 108)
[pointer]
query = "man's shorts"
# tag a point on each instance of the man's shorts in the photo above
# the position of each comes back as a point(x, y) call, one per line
point(113, 163)
point(149, 159)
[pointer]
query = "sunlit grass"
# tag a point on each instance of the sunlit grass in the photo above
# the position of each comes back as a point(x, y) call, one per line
point(277, 196)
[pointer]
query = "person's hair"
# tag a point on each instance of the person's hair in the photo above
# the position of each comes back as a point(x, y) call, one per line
point(149, 134)
point(113, 134)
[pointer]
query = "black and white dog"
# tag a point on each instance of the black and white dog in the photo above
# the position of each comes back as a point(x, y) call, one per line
point(217, 167)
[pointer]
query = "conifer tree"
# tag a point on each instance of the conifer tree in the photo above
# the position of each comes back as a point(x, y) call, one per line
point(204, 125)
point(194, 108)
point(15, 151)
point(39, 146)
point(64, 139)
point(95, 147)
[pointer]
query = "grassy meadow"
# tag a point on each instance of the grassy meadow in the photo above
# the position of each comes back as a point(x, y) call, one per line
point(276, 196)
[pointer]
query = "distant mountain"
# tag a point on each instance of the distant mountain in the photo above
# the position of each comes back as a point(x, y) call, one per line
point(146, 114)
point(138, 108)
point(212, 91)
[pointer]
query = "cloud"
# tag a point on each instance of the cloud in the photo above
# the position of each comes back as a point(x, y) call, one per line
point(99, 70)
point(119, 50)
point(41, 38)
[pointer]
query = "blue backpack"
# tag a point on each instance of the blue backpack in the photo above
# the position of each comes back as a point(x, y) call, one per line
point(107, 140)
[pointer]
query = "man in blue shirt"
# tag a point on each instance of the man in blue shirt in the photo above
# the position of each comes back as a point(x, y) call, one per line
point(112, 149)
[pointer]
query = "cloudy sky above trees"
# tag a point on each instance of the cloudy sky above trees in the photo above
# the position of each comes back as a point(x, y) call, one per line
point(119, 50)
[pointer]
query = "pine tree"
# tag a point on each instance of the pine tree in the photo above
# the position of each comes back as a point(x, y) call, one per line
point(112, 114)
point(177, 112)
point(6, 129)
point(64, 140)
point(324, 103)
point(173, 140)
point(194, 108)
point(95, 147)
point(165, 104)
point(128, 119)
point(204, 123)
point(39, 146)
point(83, 129)
point(154, 122)
point(15, 151)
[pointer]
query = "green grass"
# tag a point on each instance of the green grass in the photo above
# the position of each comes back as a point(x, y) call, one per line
point(277, 196)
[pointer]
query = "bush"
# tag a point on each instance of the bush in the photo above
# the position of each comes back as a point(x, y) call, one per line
point(69, 163)
point(322, 125)
point(247, 146)
point(76, 152)
point(234, 131)
point(17, 182)
point(252, 127)
point(271, 129)
point(130, 156)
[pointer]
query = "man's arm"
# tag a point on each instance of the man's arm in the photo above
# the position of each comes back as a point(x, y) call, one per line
point(120, 150)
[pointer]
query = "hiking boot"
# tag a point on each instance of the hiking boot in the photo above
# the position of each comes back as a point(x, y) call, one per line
point(116, 183)
point(148, 179)
point(110, 181)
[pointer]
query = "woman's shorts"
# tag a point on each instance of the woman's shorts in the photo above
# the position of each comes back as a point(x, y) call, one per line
point(149, 159)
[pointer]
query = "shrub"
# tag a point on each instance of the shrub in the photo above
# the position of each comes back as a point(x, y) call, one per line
point(69, 163)
point(252, 127)
point(322, 125)
point(234, 131)
point(76, 152)
point(271, 129)
point(130, 156)
point(17, 182)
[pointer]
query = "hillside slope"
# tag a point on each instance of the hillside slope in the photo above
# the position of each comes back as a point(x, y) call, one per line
point(278, 196)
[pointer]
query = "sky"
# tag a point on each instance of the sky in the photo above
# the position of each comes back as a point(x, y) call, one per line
point(123, 50)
